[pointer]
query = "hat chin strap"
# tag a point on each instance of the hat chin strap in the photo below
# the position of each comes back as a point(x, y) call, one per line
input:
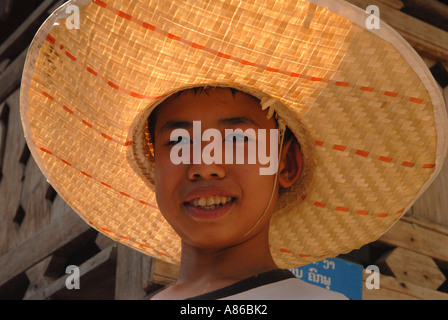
point(281, 129)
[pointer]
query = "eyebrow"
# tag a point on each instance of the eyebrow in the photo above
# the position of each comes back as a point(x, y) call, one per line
point(238, 120)
point(174, 124)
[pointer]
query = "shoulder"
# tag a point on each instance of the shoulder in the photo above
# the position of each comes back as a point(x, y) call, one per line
point(288, 289)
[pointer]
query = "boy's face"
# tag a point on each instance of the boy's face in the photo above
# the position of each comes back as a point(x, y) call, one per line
point(185, 191)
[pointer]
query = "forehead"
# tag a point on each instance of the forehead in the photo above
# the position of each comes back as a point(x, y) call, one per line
point(212, 104)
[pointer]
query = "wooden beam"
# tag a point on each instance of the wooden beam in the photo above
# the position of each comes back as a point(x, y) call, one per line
point(133, 274)
point(51, 237)
point(395, 289)
point(431, 11)
point(51, 288)
point(412, 267)
point(421, 35)
point(10, 78)
point(28, 27)
point(5, 9)
point(165, 273)
point(418, 239)
point(396, 4)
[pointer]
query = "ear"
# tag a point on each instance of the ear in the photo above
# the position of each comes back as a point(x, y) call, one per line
point(291, 163)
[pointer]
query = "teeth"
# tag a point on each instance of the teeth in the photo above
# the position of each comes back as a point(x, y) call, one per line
point(210, 202)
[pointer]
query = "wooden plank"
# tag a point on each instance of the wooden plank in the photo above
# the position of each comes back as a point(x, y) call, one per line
point(395, 289)
point(396, 4)
point(11, 76)
point(2, 136)
point(431, 11)
point(11, 182)
point(49, 238)
point(421, 35)
point(165, 273)
point(36, 277)
point(52, 287)
point(24, 33)
point(412, 267)
point(33, 201)
point(427, 224)
point(5, 9)
point(417, 238)
point(132, 274)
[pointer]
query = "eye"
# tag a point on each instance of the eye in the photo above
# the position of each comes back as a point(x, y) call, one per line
point(237, 137)
point(179, 140)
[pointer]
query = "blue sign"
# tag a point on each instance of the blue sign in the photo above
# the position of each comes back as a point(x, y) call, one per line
point(334, 274)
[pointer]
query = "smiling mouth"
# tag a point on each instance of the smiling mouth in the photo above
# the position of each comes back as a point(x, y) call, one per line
point(210, 203)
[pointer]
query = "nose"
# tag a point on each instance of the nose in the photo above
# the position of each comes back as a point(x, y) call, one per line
point(206, 171)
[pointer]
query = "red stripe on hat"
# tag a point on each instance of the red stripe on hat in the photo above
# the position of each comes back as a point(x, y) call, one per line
point(339, 147)
point(148, 26)
point(362, 153)
point(100, 3)
point(416, 100)
point(86, 123)
point(407, 164)
point(223, 55)
point(45, 150)
point(369, 89)
point(92, 71)
point(385, 159)
point(272, 69)
point(390, 94)
point(105, 184)
point(67, 109)
point(124, 15)
point(66, 162)
point(294, 74)
point(46, 94)
point(428, 166)
point(248, 63)
point(172, 36)
point(319, 204)
point(197, 46)
point(50, 39)
point(68, 54)
point(86, 174)
point(136, 95)
point(113, 85)
point(341, 84)
point(362, 212)
point(108, 137)
point(342, 209)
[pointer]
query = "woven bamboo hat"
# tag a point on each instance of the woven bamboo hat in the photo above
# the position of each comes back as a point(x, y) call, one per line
point(368, 114)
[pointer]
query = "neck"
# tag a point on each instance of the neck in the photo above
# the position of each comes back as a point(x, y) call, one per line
point(212, 269)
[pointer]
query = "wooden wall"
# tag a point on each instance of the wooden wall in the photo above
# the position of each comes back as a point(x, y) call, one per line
point(40, 235)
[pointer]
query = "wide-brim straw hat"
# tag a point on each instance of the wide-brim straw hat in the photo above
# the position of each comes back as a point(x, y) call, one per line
point(369, 116)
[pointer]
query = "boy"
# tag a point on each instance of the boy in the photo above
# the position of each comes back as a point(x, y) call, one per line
point(224, 238)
